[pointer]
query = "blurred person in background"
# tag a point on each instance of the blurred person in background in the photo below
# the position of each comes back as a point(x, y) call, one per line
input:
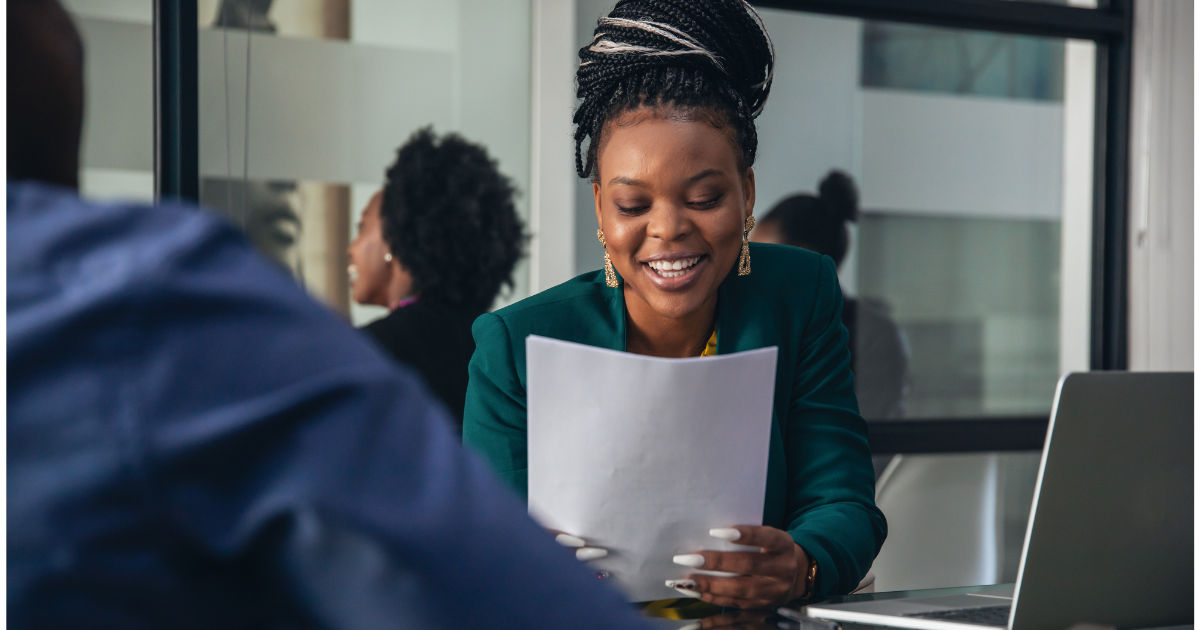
point(195, 443)
point(435, 246)
point(266, 211)
point(878, 349)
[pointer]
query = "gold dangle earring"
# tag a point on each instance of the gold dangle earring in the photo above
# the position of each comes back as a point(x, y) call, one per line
point(610, 274)
point(744, 261)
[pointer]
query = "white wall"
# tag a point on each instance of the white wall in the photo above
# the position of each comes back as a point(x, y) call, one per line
point(319, 110)
point(1075, 263)
point(961, 155)
point(552, 186)
point(117, 153)
point(813, 119)
point(1161, 192)
point(406, 23)
point(589, 256)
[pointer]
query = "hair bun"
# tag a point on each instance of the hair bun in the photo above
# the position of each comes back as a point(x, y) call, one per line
point(723, 36)
point(839, 196)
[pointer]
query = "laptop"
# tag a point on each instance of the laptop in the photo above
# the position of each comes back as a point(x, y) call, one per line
point(1109, 540)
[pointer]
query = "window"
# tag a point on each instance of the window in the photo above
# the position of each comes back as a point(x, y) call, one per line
point(891, 93)
point(957, 142)
point(952, 61)
point(302, 105)
point(972, 131)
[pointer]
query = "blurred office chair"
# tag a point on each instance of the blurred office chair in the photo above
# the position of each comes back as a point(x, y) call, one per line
point(945, 521)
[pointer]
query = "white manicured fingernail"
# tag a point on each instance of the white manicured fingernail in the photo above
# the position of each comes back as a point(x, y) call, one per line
point(691, 584)
point(691, 626)
point(725, 533)
point(568, 540)
point(687, 592)
point(693, 560)
point(590, 553)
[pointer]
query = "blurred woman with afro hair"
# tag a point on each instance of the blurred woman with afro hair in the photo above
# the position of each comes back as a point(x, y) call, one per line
point(435, 246)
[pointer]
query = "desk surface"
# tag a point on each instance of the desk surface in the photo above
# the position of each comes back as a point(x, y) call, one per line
point(679, 613)
point(682, 611)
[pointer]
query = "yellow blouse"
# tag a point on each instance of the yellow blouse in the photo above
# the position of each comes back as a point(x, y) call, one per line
point(710, 350)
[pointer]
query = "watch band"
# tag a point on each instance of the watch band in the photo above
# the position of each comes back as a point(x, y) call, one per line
point(810, 580)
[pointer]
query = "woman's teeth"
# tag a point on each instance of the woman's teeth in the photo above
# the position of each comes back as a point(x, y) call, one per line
point(673, 268)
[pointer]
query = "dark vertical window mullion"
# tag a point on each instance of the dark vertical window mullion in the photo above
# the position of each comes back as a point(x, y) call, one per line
point(176, 100)
point(1110, 224)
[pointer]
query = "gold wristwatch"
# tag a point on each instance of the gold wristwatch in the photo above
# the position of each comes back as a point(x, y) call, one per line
point(810, 579)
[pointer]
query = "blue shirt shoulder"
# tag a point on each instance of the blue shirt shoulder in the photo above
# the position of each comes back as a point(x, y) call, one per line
point(194, 442)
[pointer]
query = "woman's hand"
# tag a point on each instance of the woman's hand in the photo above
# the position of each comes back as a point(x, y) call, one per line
point(775, 575)
point(582, 550)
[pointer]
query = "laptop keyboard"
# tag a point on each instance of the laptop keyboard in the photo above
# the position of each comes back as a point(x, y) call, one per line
point(988, 616)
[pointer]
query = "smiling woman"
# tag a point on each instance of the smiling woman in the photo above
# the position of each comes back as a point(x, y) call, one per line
point(669, 92)
point(672, 215)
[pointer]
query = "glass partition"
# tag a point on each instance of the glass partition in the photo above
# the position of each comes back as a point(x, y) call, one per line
point(117, 156)
point(953, 61)
point(303, 104)
point(967, 170)
point(969, 265)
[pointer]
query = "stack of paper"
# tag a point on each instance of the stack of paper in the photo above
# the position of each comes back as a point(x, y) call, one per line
point(642, 456)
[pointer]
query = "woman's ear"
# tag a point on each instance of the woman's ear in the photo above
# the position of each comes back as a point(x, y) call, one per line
point(748, 187)
point(596, 197)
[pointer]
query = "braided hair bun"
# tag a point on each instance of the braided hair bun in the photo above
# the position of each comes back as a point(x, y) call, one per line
point(818, 223)
point(710, 55)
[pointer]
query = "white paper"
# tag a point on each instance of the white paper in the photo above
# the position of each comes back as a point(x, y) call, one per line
point(642, 456)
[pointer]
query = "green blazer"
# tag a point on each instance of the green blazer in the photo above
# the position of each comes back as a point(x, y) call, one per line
point(820, 482)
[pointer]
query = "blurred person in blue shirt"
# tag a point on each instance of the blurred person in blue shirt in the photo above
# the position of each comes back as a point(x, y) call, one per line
point(194, 443)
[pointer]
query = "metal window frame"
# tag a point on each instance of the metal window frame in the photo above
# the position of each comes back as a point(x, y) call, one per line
point(176, 100)
point(1111, 27)
point(177, 152)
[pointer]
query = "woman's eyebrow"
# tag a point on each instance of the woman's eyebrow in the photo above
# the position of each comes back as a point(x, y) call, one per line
point(701, 175)
point(628, 181)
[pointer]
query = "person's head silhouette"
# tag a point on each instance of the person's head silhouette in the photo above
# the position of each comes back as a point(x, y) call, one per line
point(45, 93)
point(814, 223)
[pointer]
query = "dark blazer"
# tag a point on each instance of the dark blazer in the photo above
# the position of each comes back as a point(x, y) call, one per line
point(436, 341)
point(820, 482)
